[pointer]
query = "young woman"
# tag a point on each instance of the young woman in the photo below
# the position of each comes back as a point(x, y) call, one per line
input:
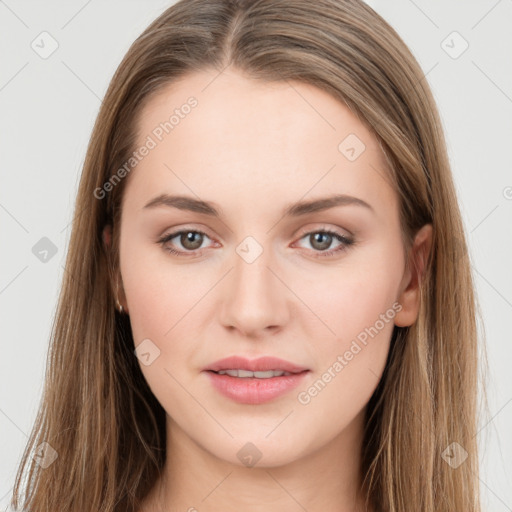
point(268, 302)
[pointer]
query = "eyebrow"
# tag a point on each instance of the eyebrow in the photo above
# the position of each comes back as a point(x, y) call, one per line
point(293, 210)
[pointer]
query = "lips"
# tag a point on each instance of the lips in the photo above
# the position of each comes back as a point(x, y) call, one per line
point(261, 364)
point(250, 381)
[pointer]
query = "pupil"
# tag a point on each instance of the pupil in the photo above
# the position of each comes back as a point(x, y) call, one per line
point(189, 242)
point(325, 244)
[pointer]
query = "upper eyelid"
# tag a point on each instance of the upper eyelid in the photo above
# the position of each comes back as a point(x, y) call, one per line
point(335, 230)
point(173, 232)
point(320, 227)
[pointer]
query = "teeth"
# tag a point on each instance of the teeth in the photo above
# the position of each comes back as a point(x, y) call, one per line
point(258, 375)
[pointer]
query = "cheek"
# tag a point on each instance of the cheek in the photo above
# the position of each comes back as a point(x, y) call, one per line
point(349, 365)
point(352, 297)
point(159, 294)
point(160, 302)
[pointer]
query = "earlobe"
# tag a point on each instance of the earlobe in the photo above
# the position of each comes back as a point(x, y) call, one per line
point(410, 298)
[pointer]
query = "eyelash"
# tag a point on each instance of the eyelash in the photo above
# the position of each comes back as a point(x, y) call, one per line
point(346, 242)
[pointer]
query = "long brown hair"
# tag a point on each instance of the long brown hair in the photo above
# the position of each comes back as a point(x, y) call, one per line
point(97, 412)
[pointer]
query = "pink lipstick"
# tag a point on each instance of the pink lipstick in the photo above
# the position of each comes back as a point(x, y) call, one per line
point(254, 381)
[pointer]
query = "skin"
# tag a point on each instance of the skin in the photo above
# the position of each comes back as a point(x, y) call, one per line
point(253, 148)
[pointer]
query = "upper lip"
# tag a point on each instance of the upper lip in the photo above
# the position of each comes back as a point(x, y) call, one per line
point(255, 365)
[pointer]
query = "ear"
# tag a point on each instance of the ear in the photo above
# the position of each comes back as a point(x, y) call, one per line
point(410, 287)
point(117, 286)
point(107, 235)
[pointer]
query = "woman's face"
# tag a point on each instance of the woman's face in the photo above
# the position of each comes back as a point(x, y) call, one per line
point(261, 277)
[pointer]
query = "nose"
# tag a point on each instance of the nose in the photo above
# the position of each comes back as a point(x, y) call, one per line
point(254, 299)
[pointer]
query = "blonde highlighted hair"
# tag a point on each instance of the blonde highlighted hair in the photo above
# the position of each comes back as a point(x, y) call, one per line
point(97, 411)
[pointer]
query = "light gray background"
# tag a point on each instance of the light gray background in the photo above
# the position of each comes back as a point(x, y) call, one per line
point(48, 107)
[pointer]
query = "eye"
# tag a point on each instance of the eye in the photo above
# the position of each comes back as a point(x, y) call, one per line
point(190, 239)
point(322, 239)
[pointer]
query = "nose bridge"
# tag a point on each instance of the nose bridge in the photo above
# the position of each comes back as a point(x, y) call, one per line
point(255, 298)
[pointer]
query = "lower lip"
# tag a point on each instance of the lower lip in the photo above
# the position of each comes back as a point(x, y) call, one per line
point(250, 390)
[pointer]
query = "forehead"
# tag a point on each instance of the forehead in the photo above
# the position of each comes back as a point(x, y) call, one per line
point(215, 134)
